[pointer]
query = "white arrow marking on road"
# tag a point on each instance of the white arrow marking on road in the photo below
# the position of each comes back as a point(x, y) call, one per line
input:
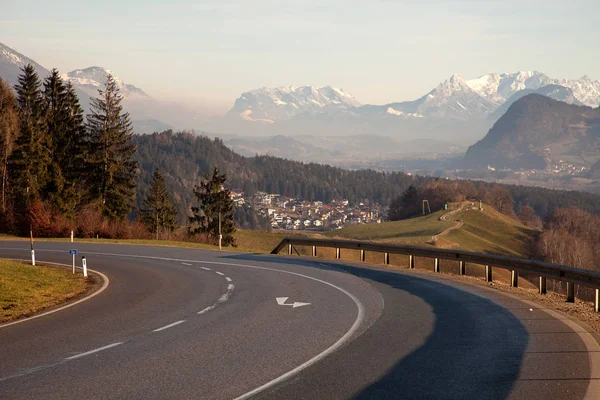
point(281, 301)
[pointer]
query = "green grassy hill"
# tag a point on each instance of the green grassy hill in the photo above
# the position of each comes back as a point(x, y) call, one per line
point(488, 231)
point(417, 230)
point(485, 231)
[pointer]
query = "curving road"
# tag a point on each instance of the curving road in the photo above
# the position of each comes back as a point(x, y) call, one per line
point(190, 324)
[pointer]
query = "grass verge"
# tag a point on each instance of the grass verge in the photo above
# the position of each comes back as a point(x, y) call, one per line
point(27, 289)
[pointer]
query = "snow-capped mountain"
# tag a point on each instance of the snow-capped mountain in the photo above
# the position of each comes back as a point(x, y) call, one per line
point(93, 78)
point(585, 89)
point(11, 63)
point(501, 87)
point(144, 110)
point(268, 105)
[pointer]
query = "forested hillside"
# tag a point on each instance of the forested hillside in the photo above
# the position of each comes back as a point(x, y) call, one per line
point(184, 157)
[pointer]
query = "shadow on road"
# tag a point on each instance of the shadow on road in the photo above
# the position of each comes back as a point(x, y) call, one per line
point(474, 350)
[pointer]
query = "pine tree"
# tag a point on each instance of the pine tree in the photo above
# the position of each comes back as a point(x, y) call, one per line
point(9, 129)
point(63, 135)
point(159, 213)
point(112, 152)
point(30, 160)
point(215, 208)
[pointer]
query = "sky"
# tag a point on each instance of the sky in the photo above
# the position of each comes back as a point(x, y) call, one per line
point(206, 53)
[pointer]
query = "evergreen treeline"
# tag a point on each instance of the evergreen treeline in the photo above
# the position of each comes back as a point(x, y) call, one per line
point(56, 166)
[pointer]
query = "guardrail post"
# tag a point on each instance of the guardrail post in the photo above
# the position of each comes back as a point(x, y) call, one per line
point(386, 258)
point(436, 265)
point(411, 261)
point(461, 268)
point(570, 292)
point(542, 285)
point(289, 249)
point(488, 273)
point(597, 301)
point(514, 278)
point(337, 253)
point(362, 255)
point(314, 251)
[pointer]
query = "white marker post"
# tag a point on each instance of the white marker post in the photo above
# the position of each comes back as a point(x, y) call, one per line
point(84, 264)
point(71, 236)
point(31, 241)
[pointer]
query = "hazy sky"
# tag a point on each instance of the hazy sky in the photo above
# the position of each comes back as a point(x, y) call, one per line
point(208, 52)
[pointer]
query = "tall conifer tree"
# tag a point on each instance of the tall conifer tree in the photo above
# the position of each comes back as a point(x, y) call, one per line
point(30, 160)
point(158, 213)
point(215, 206)
point(9, 130)
point(112, 151)
point(66, 130)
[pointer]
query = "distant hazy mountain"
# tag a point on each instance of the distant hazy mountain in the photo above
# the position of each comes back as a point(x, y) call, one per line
point(339, 150)
point(269, 105)
point(93, 78)
point(149, 126)
point(536, 131)
point(11, 63)
point(145, 111)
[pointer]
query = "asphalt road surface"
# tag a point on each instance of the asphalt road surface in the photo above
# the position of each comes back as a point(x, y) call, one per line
point(190, 324)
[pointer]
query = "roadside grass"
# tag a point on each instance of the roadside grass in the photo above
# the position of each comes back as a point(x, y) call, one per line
point(418, 230)
point(247, 241)
point(27, 289)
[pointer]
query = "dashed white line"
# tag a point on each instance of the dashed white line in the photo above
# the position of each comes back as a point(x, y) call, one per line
point(87, 353)
point(207, 309)
point(219, 273)
point(228, 279)
point(205, 268)
point(189, 265)
point(169, 326)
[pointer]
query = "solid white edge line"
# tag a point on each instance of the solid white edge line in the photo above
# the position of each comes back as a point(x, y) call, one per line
point(359, 318)
point(162, 328)
point(87, 353)
point(104, 286)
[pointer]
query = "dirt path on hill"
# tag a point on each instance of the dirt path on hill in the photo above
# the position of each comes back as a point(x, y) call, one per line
point(446, 217)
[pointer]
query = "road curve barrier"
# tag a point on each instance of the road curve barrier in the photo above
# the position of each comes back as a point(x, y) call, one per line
point(572, 276)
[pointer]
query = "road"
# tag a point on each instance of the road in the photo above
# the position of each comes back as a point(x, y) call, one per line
point(190, 324)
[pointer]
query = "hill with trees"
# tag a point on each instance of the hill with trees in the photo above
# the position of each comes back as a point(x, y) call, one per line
point(537, 131)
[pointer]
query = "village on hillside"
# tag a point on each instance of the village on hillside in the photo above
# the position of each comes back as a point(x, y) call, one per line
point(286, 213)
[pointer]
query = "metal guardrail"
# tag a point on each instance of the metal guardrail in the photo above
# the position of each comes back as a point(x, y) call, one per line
point(544, 270)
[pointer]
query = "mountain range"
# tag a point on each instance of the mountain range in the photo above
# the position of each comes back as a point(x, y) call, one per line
point(328, 123)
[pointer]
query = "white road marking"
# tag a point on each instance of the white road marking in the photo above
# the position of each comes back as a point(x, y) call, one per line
point(87, 353)
point(206, 269)
point(281, 301)
point(169, 326)
point(104, 286)
point(219, 273)
point(228, 279)
point(207, 309)
point(230, 287)
point(189, 265)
